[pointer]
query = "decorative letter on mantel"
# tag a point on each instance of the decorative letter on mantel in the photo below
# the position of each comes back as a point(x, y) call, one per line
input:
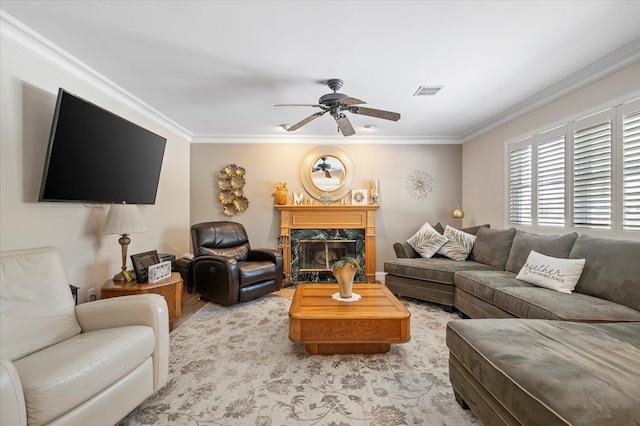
point(331, 217)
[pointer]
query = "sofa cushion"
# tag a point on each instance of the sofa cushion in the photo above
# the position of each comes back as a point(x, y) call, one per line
point(541, 303)
point(438, 270)
point(459, 244)
point(36, 308)
point(549, 245)
point(492, 246)
point(58, 378)
point(426, 241)
point(483, 284)
point(473, 230)
point(578, 374)
point(611, 271)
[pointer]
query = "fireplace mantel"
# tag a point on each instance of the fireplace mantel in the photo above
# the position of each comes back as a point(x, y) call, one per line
point(329, 217)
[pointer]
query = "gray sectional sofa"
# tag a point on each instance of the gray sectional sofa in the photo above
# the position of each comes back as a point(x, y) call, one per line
point(531, 355)
point(486, 286)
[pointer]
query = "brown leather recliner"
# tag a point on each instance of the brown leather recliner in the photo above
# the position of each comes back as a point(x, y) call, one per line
point(226, 270)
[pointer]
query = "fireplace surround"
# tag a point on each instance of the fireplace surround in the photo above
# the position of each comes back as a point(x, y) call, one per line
point(315, 236)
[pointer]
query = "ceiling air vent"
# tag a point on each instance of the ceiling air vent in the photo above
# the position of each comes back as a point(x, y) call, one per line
point(427, 90)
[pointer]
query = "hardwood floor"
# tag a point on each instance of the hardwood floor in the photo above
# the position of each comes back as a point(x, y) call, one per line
point(190, 305)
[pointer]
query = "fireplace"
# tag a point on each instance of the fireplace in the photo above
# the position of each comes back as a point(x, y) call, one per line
point(314, 251)
point(313, 237)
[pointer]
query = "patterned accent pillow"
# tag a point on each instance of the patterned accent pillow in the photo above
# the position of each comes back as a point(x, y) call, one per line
point(426, 241)
point(459, 244)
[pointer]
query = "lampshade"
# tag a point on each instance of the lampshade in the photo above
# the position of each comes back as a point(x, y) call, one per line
point(123, 219)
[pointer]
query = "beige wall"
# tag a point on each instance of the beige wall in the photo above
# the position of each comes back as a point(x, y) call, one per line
point(397, 219)
point(28, 92)
point(483, 158)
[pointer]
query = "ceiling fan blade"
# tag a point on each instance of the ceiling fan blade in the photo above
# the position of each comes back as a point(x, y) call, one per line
point(378, 113)
point(345, 125)
point(305, 121)
point(308, 105)
point(351, 101)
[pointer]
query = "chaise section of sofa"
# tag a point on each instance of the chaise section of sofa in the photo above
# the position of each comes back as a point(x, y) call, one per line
point(539, 372)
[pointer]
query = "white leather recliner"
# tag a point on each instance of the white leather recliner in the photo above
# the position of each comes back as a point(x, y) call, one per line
point(62, 364)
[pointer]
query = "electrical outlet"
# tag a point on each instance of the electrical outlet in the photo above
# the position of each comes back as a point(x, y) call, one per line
point(91, 295)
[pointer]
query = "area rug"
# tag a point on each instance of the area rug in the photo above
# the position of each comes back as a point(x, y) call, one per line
point(236, 366)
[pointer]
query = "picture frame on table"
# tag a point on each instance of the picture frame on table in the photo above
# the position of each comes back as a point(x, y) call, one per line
point(159, 272)
point(141, 263)
point(359, 197)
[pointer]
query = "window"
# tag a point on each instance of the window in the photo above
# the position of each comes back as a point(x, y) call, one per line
point(551, 171)
point(520, 186)
point(631, 171)
point(592, 176)
point(584, 174)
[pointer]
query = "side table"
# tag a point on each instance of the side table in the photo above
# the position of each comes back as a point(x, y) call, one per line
point(169, 288)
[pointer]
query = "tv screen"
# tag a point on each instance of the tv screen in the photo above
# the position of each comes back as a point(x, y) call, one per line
point(96, 156)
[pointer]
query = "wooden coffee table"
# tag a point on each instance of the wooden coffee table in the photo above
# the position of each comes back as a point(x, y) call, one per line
point(329, 326)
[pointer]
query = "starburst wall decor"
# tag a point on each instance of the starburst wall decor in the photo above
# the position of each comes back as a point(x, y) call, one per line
point(420, 184)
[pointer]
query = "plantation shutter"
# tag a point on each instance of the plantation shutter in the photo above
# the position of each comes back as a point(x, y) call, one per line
point(520, 185)
point(631, 171)
point(592, 173)
point(551, 180)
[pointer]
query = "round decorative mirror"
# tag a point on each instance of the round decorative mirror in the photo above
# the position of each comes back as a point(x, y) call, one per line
point(326, 172)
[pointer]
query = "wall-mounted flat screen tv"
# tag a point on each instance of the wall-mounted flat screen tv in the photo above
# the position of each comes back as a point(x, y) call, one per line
point(96, 156)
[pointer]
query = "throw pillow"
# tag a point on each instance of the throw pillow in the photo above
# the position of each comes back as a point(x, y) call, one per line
point(459, 244)
point(492, 246)
point(470, 230)
point(549, 245)
point(426, 241)
point(551, 272)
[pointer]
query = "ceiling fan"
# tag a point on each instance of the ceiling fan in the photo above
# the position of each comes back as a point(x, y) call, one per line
point(335, 103)
point(324, 167)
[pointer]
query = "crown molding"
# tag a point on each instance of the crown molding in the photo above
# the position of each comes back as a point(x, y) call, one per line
point(313, 139)
point(615, 61)
point(24, 37)
point(29, 40)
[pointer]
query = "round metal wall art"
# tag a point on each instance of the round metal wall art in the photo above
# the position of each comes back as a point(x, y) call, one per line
point(231, 182)
point(420, 184)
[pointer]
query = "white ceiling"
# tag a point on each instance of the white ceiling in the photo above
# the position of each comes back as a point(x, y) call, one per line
point(217, 67)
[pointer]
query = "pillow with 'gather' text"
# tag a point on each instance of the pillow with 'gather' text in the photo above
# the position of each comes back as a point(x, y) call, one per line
point(426, 241)
point(550, 272)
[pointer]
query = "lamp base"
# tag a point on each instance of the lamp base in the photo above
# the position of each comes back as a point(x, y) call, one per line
point(119, 277)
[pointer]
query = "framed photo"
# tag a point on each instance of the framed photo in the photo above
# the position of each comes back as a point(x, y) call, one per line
point(159, 272)
point(141, 263)
point(359, 197)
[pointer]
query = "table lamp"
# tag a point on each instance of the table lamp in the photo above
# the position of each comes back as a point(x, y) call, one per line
point(123, 219)
point(458, 213)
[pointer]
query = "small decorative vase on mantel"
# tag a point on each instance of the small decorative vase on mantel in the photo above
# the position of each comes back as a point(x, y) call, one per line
point(281, 193)
point(345, 270)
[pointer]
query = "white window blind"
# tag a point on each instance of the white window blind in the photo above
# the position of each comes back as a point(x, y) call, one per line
point(592, 176)
point(520, 185)
point(631, 171)
point(551, 177)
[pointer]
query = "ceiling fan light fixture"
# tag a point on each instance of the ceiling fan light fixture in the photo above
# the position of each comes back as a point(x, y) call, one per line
point(285, 126)
point(370, 127)
point(427, 90)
